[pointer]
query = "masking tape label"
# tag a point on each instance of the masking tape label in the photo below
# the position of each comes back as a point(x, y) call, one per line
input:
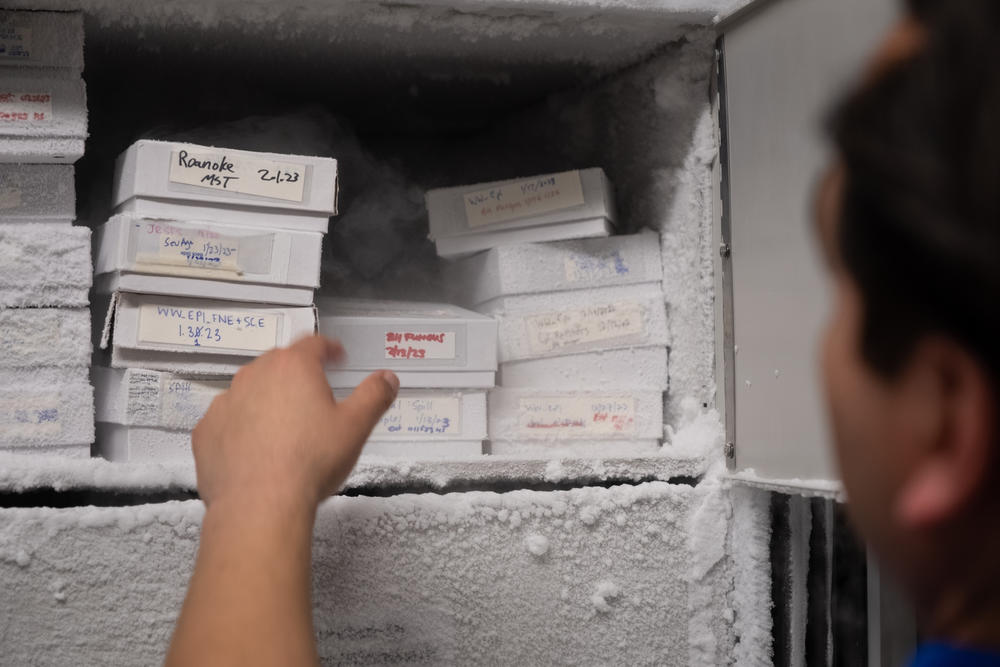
point(231, 172)
point(525, 198)
point(225, 328)
point(581, 267)
point(548, 332)
point(576, 416)
point(403, 344)
point(422, 417)
point(25, 107)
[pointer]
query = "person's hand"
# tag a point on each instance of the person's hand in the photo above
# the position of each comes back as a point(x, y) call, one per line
point(277, 436)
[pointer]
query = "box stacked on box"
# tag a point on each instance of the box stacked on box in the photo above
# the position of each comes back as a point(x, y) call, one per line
point(583, 336)
point(445, 358)
point(211, 258)
point(46, 400)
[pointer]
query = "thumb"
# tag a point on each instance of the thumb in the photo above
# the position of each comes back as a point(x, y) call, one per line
point(367, 403)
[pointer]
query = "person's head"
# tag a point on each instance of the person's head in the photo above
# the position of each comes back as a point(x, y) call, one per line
point(909, 217)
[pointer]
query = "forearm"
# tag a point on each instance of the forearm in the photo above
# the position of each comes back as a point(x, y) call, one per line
point(249, 598)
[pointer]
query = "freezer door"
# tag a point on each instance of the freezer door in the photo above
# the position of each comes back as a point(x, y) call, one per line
point(781, 65)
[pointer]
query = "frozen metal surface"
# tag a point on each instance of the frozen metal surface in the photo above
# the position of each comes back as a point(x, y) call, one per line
point(784, 66)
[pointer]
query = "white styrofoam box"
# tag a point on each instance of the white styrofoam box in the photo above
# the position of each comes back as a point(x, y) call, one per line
point(198, 336)
point(140, 397)
point(502, 209)
point(42, 39)
point(549, 267)
point(461, 246)
point(46, 406)
point(534, 326)
point(79, 451)
point(37, 193)
point(44, 264)
point(534, 414)
point(43, 118)
point(422, 415)
point(205, 259)
point(178, 181)
point(423, 450)
point(575, 449)
point(428, 345)
point(31, 337)
point(629, 368)
point(121, 442)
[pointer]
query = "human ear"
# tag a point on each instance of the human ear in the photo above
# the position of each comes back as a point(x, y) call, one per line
point(950, 401)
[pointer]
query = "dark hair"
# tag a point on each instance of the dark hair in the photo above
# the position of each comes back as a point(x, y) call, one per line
point(920, 224)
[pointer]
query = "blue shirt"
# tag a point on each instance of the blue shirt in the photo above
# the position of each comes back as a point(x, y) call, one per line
point(944, 655)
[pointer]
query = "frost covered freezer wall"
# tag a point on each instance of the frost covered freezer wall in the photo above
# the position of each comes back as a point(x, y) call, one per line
point(408, 98)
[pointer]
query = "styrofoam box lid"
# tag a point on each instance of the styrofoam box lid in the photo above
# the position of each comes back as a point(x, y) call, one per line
point(225, 177)
point(208, 251)
point(37, 191)
point(184, 326)
point(37, 104)
point(520, 202)
point(566, 265)
point(41, 39)
point(431, 415)
point(410, 336)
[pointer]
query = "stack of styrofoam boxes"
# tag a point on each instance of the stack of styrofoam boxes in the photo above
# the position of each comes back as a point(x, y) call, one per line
point(445, 358)
point(46, 401)
point(211, 258)
point(582, 323)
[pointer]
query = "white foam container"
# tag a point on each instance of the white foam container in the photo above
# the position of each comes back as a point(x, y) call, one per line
point(459, 347)
point(424, 450)
point(55, 407)
point(554, 324)
point(37, 193)
point(431, 416)
point(583, 206)
point(44, 264)
point(519, 415)
point(197, 336)
point(150, 182)
point(120, 442)
point(531, 268)
point(42, 39)
point(630, 368)
point(573, 449)
point(37, 337)
point(44, 117)
point(141, 397)
point(208, 260)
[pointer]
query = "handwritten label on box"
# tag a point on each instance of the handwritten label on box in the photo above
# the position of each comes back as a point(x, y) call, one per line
point(9, 198)
point(30, 416)
point(576, 416)
point(25, 107)
point(548, 332)
point(581, 267)
point(226, 328)
point(232, 172)
point(422, 417)
point(191, 246)
point(525, 198)
point(15, 42)
point(403, 344)
point(183, 402)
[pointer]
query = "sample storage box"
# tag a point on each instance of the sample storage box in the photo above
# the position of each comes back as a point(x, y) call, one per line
point(198, 336)
point(120, 442)
point(630, 368)
point(210, 260)
point(553, 207)
point(531, 414)
point(431, 416)
point(559, 323)
point(178, 181)
point(427, 345)
point(42, 39)
point(37, 193)
point(574, 449)
point(45, 264)
point(36, 337)
point(42, 407)
point(140, 397)
point(43, 117)
point(531, 268)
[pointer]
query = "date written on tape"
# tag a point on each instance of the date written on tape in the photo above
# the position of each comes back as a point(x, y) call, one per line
point(422, 417)
point(237, 174)
point(525, 198)
point(212, 328)
point(420, 345)
point(577, 416)
point(25, 107)
point(576, 328)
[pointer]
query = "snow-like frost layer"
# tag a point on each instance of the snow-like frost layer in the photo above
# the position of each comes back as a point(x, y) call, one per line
point(455, 579)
